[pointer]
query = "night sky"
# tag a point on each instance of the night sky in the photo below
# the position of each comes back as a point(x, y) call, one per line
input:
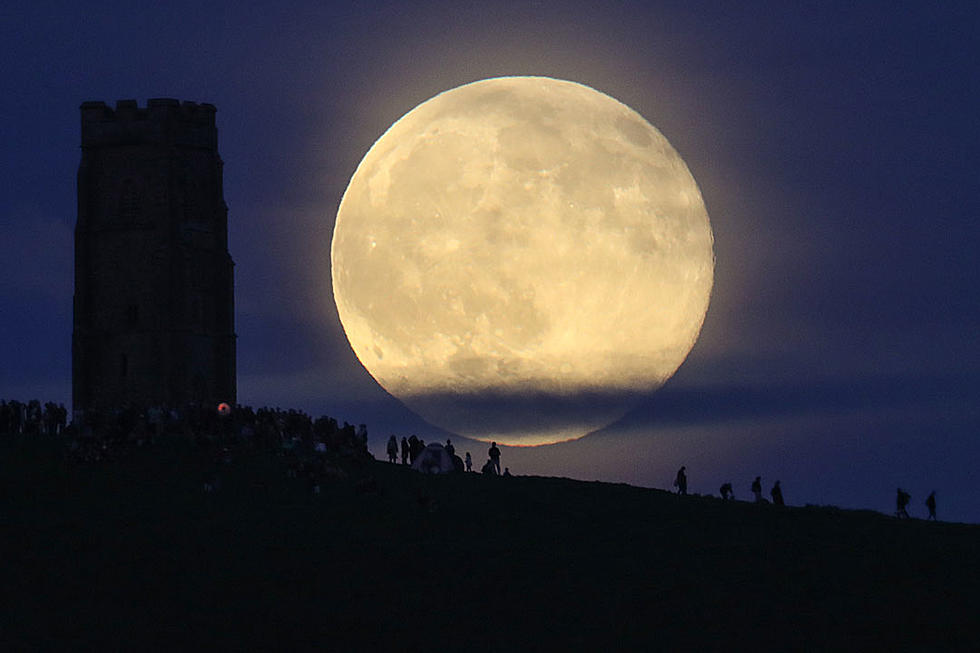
point(837, 150)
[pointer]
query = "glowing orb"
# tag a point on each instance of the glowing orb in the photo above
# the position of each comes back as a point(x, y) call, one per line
point(517, 258)
point(224, 409)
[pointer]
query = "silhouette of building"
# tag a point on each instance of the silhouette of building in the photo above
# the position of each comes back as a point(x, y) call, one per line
point(154, 285)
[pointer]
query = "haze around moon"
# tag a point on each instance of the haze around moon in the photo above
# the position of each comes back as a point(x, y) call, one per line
point(518, 258)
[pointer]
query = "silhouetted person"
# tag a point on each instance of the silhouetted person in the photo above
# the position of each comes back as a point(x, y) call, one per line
point(392, 449)
point(902, 499)
point(404, 451)
point(777, 494)
point(494, 454)
point(450, 448)
point(931, 505)
point(727, 492)
point(680, 481)
point(757, 489)
point(506, 471)
point(61, 419)
point(489, 469)
point(469, 462)
point(413, 449)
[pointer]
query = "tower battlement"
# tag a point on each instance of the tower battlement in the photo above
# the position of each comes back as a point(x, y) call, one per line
point(163, 121)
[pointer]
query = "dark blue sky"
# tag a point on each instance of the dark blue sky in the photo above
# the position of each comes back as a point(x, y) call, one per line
point(836, 148)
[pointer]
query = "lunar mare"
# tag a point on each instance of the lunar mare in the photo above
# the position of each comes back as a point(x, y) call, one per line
point(522, 238)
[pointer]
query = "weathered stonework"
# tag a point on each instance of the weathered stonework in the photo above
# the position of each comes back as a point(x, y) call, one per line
point(154, 284)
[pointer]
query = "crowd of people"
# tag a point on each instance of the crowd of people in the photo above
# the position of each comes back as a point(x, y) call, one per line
point(315, 446)
point(32, 418)
point(95, 435)
point(411, 449)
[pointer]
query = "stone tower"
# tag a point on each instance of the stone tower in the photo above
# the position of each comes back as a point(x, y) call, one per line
point(154, 285)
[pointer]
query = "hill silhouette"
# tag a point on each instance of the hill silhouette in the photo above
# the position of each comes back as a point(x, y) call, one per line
point(133, 553)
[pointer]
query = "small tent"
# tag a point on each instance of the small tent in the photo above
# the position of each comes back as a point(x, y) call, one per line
point(434, 459)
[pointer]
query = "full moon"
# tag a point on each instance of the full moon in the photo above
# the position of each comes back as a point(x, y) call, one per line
point(517, 259)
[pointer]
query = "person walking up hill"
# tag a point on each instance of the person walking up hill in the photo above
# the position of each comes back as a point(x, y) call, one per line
point(777, 494)
point(680, 481)
point(931, 505)
point(902, 499)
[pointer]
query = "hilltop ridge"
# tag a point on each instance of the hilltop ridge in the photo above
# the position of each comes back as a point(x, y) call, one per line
point(133, 551)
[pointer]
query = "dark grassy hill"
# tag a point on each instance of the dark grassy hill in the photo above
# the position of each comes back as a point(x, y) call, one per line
point(133, 554)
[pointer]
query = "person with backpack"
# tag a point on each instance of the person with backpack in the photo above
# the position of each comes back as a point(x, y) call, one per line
point(726, 492)
point(680, 481)
point(902, 499)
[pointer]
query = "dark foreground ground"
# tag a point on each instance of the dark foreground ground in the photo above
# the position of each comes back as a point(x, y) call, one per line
point(133, 555)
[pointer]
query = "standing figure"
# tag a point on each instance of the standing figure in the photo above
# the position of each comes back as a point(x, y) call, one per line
point(494, 454)
point(931, 505)
point(777, 494)
point(404, 451)
point(757, 489)
point(450, 448)
point(902, 499)
point(680, 481)
point(413, 448)
point(392, 449)
point(469, 462)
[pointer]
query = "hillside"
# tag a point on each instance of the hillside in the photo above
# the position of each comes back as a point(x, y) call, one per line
point(132, 552)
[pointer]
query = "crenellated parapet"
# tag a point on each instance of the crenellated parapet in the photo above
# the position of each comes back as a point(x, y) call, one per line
point(163, 121)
